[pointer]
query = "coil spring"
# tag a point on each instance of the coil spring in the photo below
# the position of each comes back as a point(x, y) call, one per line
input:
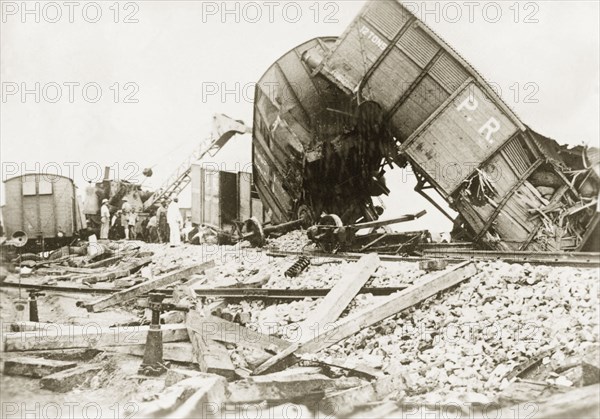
point(296, 269)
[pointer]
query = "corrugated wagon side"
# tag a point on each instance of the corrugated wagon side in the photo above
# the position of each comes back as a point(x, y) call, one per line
point(506, 181)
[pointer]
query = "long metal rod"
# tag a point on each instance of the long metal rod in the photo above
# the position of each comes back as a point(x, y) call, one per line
point(344, 256)
point(286, 294)
point(575, 259)
point(76, 290)
point(241, 293)
point(382, 223)
point(581, 259)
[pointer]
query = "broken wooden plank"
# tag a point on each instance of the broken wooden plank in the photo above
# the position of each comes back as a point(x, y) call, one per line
point(144, 287)
point(175, 375)
point(90, 336)
point(345, 402)
point(67, 380)
point(218, 361)
point(355, 368)
point(34, 367)
point(118, 271)
point(77, 355)
point(211, 356)
point(394, 304)
point(583, 402)
point(284, 386)
point(581, 374)
point(212, 387)
point(121, 271)
point(199, 348)
point(384, 410)
point(336, 301)
point(105, 262)
point(215, 328)
point(205, 401)
point(521, 391)
point(173, 351)
point(62, 270)
point(255, 281)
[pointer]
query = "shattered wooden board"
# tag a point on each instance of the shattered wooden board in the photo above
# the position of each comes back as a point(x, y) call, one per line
point(144, 287)
point(356, 322)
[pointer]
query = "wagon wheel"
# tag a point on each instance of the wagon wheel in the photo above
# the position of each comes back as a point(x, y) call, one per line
point(305, 214)
point(229, 237)
point(329, 224)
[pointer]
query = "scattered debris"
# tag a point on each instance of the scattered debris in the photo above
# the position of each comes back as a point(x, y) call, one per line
point(67, 380)
point(373, 351)
point(34, 367)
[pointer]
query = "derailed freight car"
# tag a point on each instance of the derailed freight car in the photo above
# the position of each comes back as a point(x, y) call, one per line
point(513, 188)
point(309, 154)
point(45, 207)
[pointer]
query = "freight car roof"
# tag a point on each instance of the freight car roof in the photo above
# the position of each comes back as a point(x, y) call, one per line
point(49, 176)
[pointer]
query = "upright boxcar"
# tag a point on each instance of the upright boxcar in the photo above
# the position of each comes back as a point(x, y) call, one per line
point(220, 198)
point(505, 180)
point(44, 206)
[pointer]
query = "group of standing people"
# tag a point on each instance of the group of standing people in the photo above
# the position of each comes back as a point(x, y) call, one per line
point(163, 225)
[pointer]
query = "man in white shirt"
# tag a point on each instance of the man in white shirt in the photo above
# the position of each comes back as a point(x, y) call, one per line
point(104, 219)
point(125, 214)
point(174, 220)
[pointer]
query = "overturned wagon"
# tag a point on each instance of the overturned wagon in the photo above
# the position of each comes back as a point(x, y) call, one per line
point(513, 188)
point(309, 154)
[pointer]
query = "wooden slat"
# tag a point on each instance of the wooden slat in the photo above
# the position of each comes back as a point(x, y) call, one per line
point(144, 287)
point(214, 328)
point(336, 301)
point(354, 323)
point(56, 336)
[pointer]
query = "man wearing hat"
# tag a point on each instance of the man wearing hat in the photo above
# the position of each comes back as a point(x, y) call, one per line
point(125, 216)
point(104, 219)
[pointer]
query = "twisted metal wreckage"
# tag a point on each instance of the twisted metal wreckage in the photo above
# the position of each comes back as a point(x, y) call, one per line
point(331, 115)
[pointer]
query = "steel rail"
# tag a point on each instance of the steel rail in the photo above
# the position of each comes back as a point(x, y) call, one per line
point(237, 293)
point(573, 259)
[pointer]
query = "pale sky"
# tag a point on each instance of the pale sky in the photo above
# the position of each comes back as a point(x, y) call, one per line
point(180, 58)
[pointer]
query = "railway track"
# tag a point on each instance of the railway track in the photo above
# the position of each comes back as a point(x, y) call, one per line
point(572, 259)
point(575, 259)
point(231, 293)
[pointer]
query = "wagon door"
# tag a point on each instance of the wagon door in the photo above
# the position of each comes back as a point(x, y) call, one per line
point(210, 194)
point(39, 213)
point(197, 201)
point(54, 207)
point(245, 189)
point(228, 198)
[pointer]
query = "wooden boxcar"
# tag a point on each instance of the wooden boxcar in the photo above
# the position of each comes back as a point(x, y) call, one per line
point(511, 186)
point(309, 153)
point(219, 198)
point(45, 207)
